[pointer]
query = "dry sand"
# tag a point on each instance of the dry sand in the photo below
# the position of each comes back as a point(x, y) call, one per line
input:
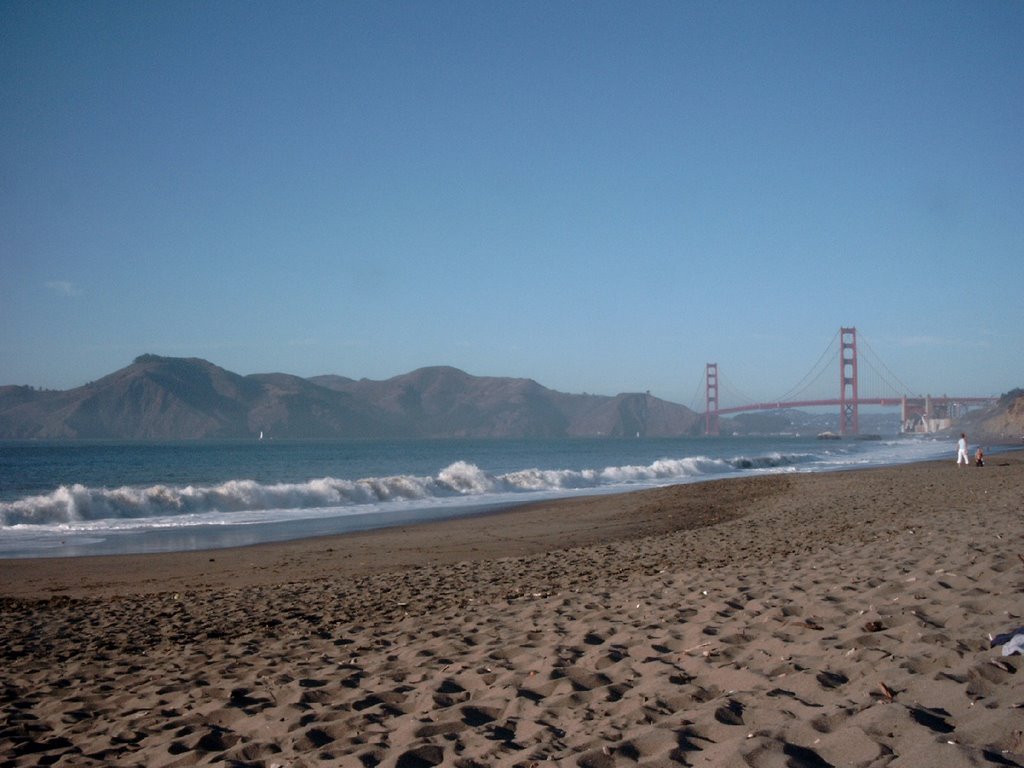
point(805, 621)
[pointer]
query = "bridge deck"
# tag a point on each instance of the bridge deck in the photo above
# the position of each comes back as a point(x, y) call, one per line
point(891, 402)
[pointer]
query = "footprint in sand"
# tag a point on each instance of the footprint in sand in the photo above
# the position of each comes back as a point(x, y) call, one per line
point(730, 713)
point(421, 757)
point(831, 680)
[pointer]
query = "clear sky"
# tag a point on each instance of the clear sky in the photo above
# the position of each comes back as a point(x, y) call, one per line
point(601, 196)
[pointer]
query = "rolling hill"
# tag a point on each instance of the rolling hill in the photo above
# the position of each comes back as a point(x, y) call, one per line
point(168, 398)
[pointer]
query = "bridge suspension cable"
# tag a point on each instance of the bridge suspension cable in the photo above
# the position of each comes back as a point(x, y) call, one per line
point(901, 389)
point(697, 401)
point(818, 370)
point(733, 396)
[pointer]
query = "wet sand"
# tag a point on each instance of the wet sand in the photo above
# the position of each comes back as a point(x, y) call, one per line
point(791, 620)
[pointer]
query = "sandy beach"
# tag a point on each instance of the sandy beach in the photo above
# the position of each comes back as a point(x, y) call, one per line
point(790, 620)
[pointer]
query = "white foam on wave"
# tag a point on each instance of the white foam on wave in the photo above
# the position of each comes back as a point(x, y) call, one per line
point(76, 503)
point(80, 507)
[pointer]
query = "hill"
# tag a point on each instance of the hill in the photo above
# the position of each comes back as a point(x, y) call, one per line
point(188, 398)
point(444, 401)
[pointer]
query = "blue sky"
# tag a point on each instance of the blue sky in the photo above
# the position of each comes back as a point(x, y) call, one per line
point(599, 196)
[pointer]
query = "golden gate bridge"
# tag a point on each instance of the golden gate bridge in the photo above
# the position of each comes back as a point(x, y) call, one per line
point(918, 412)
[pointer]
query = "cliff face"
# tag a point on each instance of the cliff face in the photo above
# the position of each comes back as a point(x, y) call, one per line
point(188, 398)
point(1003, 422)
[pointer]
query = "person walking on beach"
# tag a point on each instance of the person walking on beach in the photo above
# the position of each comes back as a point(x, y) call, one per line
point(961, 451)
point(979, 457)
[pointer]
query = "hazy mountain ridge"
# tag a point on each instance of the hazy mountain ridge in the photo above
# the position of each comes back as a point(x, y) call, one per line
point(190, 398)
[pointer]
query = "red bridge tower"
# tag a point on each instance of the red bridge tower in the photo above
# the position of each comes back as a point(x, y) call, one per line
point(848, 381)
point(711, 399)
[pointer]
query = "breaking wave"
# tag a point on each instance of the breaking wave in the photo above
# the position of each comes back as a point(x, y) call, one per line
point(77, 503)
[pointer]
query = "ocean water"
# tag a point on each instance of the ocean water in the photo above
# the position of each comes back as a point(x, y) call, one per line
point(83, 498)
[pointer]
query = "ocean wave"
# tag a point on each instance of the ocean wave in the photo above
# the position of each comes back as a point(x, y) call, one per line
point(77, 503)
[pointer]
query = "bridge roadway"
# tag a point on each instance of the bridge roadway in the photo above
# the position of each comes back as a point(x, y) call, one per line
point(885, 401)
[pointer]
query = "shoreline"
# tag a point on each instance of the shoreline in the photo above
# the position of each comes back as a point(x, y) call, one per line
point(307, 515)
point(504, 531)
point(819, 619)
point(222, 536)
